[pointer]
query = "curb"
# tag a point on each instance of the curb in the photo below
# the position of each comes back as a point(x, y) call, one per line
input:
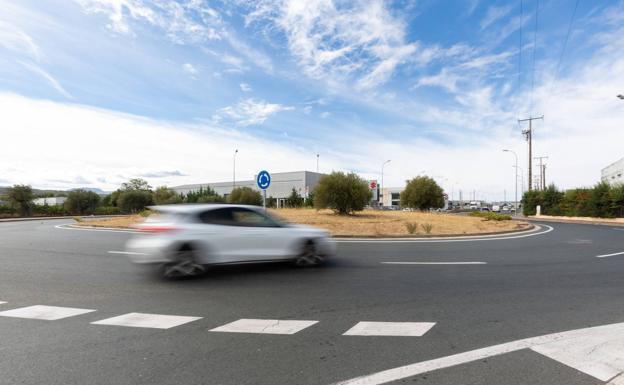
point(53, 218)
point(574, 221)
point(532, 228)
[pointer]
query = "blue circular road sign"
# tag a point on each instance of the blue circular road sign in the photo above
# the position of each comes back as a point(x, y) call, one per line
point(264, 179)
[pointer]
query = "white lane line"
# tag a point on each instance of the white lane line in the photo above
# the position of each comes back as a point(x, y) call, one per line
point(1, 302)
point(607, 340)
point(434, 263)
point(609, 255)
point(126, 252)
point(143, 320)
point(42, 312)
point(264, 326)
point(103, 229)
point(449, 239)
point(399, 329)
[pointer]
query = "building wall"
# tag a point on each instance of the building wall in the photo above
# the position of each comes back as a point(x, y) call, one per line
point(53, 201)
point(614, 173)
point(281, 186)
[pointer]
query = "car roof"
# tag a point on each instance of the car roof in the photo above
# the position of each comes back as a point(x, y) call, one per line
point(195, 207)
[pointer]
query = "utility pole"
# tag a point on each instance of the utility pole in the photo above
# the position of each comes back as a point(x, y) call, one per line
point(528, 134)
point(317, 161)
point(234, 170)
point(542, 166)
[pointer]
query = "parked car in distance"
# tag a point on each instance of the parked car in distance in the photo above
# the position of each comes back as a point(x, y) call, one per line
point(184, 239)
point(496, 208)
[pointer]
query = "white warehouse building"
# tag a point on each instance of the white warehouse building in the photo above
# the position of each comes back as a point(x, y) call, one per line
point(282, 184)
point(613, 173)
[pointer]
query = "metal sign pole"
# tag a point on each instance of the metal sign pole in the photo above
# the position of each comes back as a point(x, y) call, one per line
point(264, 200)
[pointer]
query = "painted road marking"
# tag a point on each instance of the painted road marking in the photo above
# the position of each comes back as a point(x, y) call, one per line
point(264, 326)
point(399, 329)
point(609, 255)
point(1, 302)
point(104, 229)
point(126, 252)
point(607, 354)
point(143, 320)
point(48, 313)
point(434, 263)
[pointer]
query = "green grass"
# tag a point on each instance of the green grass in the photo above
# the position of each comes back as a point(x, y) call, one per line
point(490, 216)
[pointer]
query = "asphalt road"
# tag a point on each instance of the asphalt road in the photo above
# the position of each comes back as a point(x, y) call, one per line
point(525, 287)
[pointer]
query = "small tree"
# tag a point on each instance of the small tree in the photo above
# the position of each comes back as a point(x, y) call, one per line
point(343, 193)
point(245, 196)
point(163, 195)
point(134, 201)
point(81, 202)
point(294, 199)
point(135, 184)
point(20, 197)
point(309, 201)
point(203, 195)
point(422, 193)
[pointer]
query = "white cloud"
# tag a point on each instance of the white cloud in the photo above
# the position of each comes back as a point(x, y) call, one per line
point(16, 40)
point(46, 76)
point(329, 39)
point(307, 110)
point(245, 87)
point(189, 69)
point(251, 111)
point(495, 13)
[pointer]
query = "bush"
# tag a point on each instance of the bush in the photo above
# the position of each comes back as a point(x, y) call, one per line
point(165, 196)
point(203, 195)
point(422, 193)
point(245, 196)
point(343, 193)
point(490, 216)
point(145, 213)
point(411, 227)
point(427, 227)
point(20, 197)
point(133, 201)
point(107, 210)
point(602, 200)
point(294, 200)
point(81, 202)
point(7, 211)
point(49, 210)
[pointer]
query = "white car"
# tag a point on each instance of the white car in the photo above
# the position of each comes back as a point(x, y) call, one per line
point(183, 239)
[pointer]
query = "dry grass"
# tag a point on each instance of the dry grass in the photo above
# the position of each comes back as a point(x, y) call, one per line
point(369, 223)
point(394, 223)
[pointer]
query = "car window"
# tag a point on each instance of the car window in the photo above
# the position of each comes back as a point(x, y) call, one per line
point(222, 216)
point(251, 218)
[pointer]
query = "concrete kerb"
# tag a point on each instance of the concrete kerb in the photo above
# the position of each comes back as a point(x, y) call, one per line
point(63, 217)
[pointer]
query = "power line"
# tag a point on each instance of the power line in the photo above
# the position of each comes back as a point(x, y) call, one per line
point(520, 52)
point(534, 49)
point(563, 50)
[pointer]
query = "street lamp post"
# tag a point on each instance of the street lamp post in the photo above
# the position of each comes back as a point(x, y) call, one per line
point(516, 156)
point(234, 170)
point(382, 181)
point(317, 163)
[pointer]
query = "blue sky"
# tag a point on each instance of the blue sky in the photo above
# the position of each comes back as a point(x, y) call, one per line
point(127, 88)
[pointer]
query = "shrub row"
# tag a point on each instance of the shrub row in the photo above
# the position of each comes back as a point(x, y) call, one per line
point(601, 201)
point(490, 216)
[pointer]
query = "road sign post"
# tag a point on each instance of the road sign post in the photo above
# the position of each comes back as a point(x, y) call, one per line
point(263, 181)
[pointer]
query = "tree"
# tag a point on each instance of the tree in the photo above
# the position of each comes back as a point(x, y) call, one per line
point(163, 195)
point(294, 199)
point(20, 197)
point(309, 201)
point(203, 195)
point(81, 202)
point(551, 200)
point(422, 193)
point(133, 201)
point(245, 196)
point(600, 200)
point(343, 193)
point(136, 184)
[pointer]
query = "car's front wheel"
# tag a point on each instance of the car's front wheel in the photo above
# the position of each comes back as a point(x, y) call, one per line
point(183, 265)
point(309, 256)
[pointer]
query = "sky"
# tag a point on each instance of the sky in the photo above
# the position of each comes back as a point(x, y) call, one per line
point(95, 92)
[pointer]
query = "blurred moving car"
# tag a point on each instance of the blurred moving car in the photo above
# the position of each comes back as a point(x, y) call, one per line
point(183, 239)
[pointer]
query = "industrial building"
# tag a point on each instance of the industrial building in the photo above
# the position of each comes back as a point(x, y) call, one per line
point(282, 184)
point(613, 173)
point(50, 201)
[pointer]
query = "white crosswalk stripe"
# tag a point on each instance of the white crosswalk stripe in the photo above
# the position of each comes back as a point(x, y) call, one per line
point(42, 312)
point(143, 320)
point(264, 326)
point(399, 329)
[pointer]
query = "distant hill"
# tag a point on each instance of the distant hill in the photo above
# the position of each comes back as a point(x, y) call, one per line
point(3, 190)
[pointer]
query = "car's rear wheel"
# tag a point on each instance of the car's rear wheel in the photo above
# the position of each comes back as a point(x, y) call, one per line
point(183, 265)
point(309, 256)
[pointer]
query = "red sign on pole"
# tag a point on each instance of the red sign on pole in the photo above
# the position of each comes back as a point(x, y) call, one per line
point(373, 184)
